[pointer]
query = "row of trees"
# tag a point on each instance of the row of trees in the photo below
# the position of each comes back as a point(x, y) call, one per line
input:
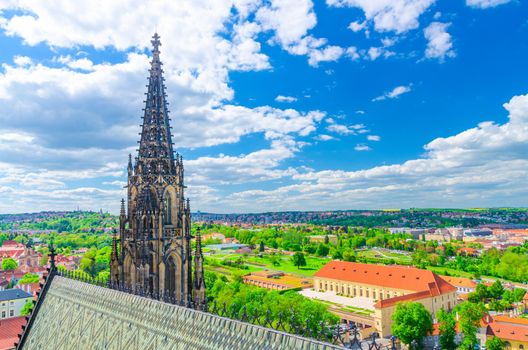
point(236, 295)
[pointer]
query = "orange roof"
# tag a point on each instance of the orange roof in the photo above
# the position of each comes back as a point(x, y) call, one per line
point(467, 250)
point(436, 328)
point(393, 276)
point(508, 319)
point(509, 331)
point(408, 297)
point(460, 281)
point(9, 330)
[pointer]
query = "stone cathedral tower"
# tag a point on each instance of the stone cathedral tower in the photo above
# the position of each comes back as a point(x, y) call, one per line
point(155, 232)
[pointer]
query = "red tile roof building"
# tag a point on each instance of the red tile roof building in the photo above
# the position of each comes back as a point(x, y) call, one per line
point(512, 330)
point(387, 285)
point(463, 285)
point(10, 328)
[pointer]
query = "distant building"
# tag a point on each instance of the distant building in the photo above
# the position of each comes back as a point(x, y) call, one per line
point(276, 280)
point(439, 235)
point(230, 240)
point(462, 284)
point(12, 249)
point(466, 251)
point(512, 330)
point(244, 250)
point(474, 233)
point(415, 232)
point(225, 246)
point(456, 232)
point(387, 285)
point(12, 301)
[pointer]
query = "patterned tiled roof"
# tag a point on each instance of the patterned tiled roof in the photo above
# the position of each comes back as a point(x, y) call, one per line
point(77, 315)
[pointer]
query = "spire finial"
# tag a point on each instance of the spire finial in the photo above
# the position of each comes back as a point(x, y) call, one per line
point(122, 212)
point(155, 42)
point(52, 254)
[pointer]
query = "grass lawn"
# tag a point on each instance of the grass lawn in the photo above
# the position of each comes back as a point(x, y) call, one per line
point(441, 271)
point(346, 308)
point(313, 264)
point(399, 258)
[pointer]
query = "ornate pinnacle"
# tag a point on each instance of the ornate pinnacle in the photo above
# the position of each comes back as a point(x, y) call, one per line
point(129, 163)
point(113, 255)
point(156, 43)
point(122, 212)
point(52, 254)
point(198, 242)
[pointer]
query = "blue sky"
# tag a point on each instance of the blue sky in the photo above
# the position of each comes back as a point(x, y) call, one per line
point(276, 105)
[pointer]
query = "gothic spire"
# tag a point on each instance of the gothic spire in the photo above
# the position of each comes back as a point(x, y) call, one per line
point(114, 254)
point(122, 211)
point(198, 243)
point(155, 147)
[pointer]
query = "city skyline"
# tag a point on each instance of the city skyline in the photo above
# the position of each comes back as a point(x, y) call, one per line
point(281, 105)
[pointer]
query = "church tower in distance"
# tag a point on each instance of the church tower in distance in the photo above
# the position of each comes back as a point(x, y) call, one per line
point(155, 252)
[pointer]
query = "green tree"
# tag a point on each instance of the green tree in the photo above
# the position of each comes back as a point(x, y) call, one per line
point(412, 321)
point(275, 259)
point(26, 309)
point(496, 290)
point(298, 259)
point(495, 343)
point(482, 292)
point(349, 255)
point(323, 250)
point(29, 278)
point(9, 264)
point(262, 247)
point(447, 329)
point(518, 294)
point(470, 315)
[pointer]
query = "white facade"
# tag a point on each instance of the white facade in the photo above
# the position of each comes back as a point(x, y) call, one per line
point(12, 307)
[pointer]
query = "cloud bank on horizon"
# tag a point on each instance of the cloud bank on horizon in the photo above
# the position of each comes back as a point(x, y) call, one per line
point(275, 105)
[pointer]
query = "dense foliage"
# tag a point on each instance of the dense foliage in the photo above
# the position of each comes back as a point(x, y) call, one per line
point(236, 295)
point(9, 264)
point(412, 322)
point(447, 329)
point(26, 309)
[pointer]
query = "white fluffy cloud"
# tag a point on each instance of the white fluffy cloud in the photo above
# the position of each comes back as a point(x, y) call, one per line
point(387, 15)
point(291, 21)
point(439, 43)
point(394, 93)
point(287, 99)
point(345, 129)
point(81, 117)
point(486, 3)
point(472, 168)
point(361, 147)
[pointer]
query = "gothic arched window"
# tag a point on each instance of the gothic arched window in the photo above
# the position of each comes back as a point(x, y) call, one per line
point(168, 208)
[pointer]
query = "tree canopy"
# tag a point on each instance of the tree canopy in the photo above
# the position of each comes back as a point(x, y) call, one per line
point(9, 264)
point(412, 321)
